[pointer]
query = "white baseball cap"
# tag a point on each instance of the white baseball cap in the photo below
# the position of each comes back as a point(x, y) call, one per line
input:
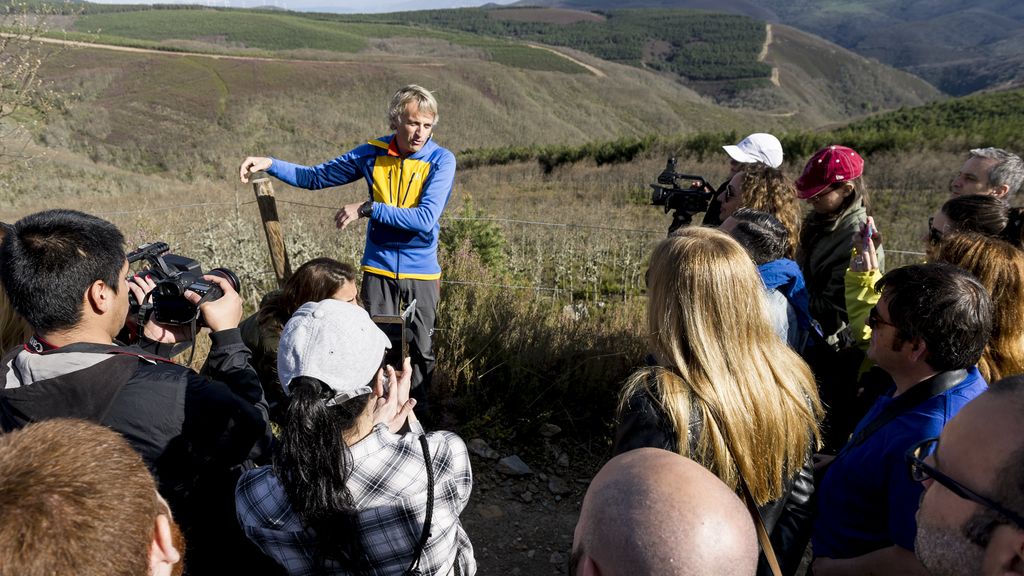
point(335, 342)
point(763, 148)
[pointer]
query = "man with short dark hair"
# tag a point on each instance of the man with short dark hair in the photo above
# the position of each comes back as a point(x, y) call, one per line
point(64, 272)
point(928, 331)
point(410, 179)
point(971, 520)
point(76, 499)
point(653, 512)
point(991, 171)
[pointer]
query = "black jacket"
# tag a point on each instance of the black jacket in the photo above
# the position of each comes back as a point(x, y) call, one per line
point(788, 520)
point(192, 431)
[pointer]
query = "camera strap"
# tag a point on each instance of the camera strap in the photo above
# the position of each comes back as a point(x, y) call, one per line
point(143, 315)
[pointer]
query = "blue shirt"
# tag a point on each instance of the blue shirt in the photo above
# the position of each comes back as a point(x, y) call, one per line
point(408, 196)
point(867, 500)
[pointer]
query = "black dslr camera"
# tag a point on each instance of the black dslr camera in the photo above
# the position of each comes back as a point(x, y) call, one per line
point(686, 194)
point(174, 275)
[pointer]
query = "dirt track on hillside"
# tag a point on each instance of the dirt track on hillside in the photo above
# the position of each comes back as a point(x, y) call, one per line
point(116, 48)
point(594, 71)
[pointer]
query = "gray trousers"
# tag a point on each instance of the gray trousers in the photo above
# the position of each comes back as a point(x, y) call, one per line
point(383, 295)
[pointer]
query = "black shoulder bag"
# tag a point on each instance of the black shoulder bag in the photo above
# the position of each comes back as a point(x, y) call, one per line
point(414, 568)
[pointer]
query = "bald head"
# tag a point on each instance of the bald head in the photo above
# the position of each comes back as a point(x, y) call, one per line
point(651, 511)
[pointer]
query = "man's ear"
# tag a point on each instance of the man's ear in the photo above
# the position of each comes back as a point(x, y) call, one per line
point(162, 552)
point(918, 350)
point(99, 296)
point(1001, 191)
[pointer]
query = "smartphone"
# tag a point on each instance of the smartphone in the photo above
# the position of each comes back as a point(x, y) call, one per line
point(393, 326)
point(868, 233)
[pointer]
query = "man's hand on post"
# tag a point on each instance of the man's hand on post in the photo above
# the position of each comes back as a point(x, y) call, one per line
point(251, 165)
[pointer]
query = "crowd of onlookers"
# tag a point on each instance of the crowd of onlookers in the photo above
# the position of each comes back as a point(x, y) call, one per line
point(817, 398)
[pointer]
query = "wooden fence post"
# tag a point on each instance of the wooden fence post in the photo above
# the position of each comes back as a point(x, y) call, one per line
point(264, 190)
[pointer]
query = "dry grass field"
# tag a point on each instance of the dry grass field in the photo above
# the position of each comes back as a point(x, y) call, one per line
point(546, 328)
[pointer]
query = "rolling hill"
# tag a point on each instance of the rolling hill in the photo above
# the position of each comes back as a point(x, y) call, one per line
point(727, 58)
point(960, 46)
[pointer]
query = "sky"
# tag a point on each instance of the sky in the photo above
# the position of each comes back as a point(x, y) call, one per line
point(359, 6)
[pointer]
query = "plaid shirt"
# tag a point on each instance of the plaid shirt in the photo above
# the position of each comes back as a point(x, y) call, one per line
point(389, 488)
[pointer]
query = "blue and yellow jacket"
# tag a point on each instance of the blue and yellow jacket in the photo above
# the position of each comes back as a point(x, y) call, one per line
point(408, 196)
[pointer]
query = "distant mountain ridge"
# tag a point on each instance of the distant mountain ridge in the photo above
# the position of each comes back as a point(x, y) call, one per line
point(960, 46)
point(728, 58)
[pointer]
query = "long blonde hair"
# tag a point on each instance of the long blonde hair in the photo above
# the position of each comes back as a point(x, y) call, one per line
point(999, 266)
point(767, 189)
point(718, 353)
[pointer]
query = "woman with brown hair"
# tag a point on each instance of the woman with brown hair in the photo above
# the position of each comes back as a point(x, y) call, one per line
point(832, 183)
point(980, 214)
point(765, 189)
point(999, 266)
point(316, 280)
point(726, 392)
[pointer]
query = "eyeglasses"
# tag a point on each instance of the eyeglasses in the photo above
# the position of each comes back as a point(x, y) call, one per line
point(934, 234)
point(730, 193)
point(920, 471)
point(874, 319)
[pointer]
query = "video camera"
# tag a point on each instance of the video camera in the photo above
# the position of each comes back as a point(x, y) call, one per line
point(684, 193)
point(174, 275)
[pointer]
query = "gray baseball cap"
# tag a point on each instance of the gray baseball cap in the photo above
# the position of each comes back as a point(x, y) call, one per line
point(335, 342)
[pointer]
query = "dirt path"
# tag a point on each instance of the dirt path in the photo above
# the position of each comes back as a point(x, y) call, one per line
point(767, 43)
point(523, 525)
point(116, 48)
point(594, 71)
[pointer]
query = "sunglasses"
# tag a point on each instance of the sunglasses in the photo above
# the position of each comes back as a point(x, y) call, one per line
point(934, 234)
point(730, 192)
point(875, 319)
point(921, 471)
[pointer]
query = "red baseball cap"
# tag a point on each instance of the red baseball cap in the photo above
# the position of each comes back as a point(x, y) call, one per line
point(828, 166)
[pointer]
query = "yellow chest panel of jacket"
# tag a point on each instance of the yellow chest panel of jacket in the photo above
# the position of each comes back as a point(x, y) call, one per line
point(398, 182)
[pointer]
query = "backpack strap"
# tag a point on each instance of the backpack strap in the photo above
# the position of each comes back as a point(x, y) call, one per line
point(904, 402)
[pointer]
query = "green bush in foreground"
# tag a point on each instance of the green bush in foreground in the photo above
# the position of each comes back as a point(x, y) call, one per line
point(512, 357)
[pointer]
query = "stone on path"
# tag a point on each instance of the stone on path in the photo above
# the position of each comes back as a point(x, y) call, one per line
point(558, 487)
point(513, 466)
point(548, 430)
point(490, 512)
point(479, 447)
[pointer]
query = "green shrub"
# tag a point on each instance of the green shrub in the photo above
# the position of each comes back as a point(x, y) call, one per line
point(513, 357)
point(470, 227)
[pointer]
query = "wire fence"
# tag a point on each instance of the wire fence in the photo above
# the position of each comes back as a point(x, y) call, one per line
point(177, 234)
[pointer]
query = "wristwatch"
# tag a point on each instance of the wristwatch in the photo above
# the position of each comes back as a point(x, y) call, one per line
point(366, 209)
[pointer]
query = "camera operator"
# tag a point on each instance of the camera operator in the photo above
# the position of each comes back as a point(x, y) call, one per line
point(64, 272)
point(688, 195)
point(758, 148)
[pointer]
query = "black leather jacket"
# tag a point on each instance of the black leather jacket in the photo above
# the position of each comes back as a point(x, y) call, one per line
point(788, 520)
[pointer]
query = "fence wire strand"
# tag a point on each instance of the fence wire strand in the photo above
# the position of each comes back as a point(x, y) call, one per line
point(563, 225)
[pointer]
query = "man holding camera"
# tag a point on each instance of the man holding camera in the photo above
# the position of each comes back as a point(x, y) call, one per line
point(410, 179)
point(65, 273)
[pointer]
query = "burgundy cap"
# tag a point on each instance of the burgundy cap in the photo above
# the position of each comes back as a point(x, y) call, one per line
point(828, 166)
